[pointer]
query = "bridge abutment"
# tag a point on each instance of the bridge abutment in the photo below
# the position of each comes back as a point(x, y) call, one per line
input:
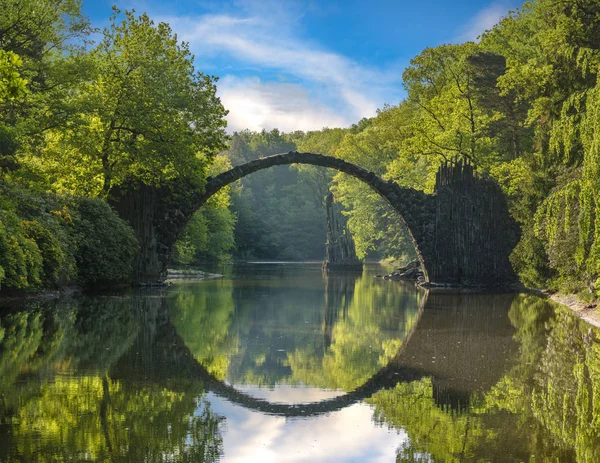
point(157, 216)
point(474, 233)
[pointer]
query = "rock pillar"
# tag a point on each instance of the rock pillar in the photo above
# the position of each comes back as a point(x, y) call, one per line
point(474, 231)
point(340, 251)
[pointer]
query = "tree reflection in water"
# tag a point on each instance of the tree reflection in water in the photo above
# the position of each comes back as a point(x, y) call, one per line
point(62, 401)
point(502, 377)
point(545, 407)
point(270, 333)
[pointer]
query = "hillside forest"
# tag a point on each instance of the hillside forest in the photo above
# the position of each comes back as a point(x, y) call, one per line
point(89, 114)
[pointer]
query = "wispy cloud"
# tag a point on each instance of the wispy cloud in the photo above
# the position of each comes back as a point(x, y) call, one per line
point(314, 87)
point(260, 105)
point(484, 20)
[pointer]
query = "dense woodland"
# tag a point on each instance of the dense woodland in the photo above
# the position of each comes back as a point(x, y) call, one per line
point(82, 120)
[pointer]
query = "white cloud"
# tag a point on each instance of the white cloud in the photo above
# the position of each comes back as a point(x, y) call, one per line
point(348, 435)
point(483, 21)
point(314, 87)
point(260, 105)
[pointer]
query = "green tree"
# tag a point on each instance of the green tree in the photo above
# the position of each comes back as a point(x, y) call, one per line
point(44, 40)
point(449, 123)
point(376, 227)
point(145, 114)
point(325, 141)
point(209, 234)
point(552, 69)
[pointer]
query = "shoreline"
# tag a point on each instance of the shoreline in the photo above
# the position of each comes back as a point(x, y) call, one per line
point(578, 307)
point(589, 313)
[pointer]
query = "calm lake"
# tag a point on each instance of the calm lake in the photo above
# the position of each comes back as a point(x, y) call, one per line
point(278, 363)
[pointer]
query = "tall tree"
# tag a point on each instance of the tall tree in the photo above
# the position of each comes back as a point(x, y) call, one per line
point(146, 115)
point(43, 41)
point(440, 82)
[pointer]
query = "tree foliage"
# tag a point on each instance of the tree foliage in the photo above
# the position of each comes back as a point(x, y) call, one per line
point(209, 234)
point(47, 241)
point(144, 113)
point(84, 118)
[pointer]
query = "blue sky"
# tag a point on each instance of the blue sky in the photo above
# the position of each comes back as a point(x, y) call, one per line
point(304, 64)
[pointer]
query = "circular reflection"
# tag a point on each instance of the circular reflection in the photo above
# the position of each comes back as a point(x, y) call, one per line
point(292, 335)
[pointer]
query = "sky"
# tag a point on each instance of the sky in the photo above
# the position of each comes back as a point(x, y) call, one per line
point(307, 64)
point(252, 437)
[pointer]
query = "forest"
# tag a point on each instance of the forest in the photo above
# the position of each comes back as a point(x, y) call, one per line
point(89, 114)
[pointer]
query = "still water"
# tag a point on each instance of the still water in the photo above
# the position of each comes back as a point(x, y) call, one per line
point(277, 363)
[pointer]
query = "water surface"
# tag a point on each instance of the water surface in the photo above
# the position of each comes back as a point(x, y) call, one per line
point(280, 363)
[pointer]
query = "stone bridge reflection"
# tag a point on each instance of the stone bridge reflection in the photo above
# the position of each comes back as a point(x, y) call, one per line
point(459, 341)
point(111, 378)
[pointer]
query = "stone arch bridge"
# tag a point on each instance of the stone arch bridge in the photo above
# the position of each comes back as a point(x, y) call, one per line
point(463, 232)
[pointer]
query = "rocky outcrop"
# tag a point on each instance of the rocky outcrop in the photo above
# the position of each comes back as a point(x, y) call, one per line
point(340, 250)
point(157, 215)
point(474, 231)
point(410, 272)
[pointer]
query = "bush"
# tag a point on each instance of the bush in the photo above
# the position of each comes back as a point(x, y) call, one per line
point(530, 261)
point(57, 265)
point(35, 247)
point(47, 241)
point(105, 245)
point(20, 256)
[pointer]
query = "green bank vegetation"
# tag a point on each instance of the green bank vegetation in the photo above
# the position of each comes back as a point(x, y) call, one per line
point(82, 121)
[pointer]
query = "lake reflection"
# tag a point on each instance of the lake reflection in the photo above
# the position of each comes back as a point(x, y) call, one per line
point(279, 363)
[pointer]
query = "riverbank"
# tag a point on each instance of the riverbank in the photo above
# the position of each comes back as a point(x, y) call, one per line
point(191, 274)
point(588, 312)
point(44, 295)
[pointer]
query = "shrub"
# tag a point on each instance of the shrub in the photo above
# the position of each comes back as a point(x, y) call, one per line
point(20, 256)
point(47, 241)
point(104, 244)
point(530, 261)
point(57, 264)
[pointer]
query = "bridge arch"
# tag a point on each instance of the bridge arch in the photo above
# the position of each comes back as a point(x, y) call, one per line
point(415, 208)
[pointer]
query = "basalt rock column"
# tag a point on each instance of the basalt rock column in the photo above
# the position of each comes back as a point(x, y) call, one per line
point(474, 231)
point(340, 251)
point(157, 216)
